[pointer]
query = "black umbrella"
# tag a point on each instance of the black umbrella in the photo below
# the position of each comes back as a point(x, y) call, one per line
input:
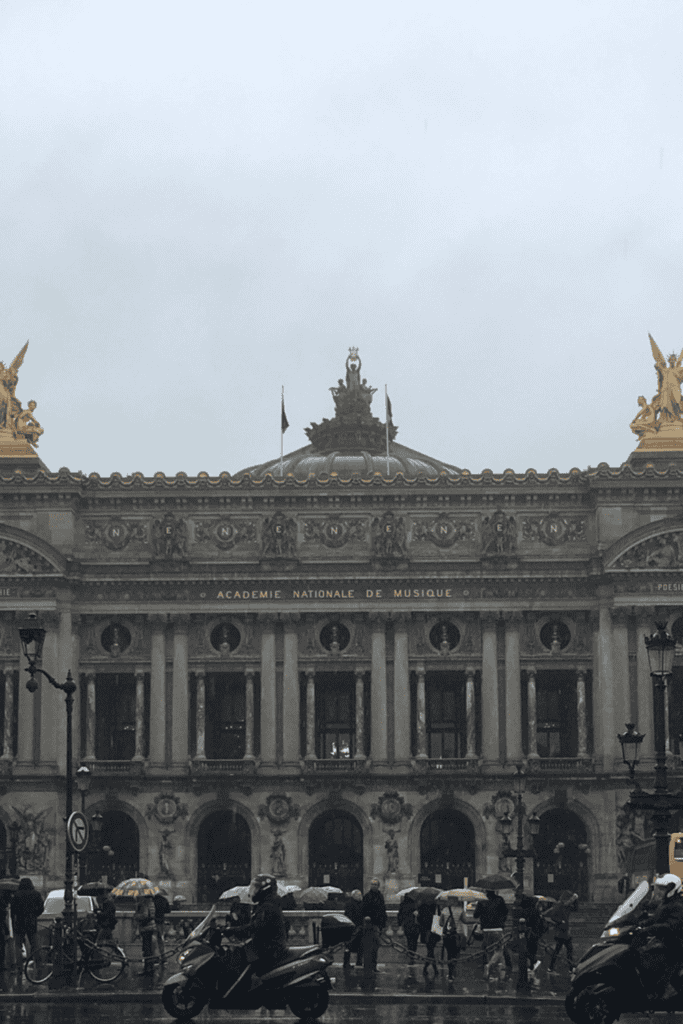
point(93, 889)
point(495, 882)
point(9, 884)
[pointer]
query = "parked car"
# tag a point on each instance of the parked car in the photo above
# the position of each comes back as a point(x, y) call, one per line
point(54, 904)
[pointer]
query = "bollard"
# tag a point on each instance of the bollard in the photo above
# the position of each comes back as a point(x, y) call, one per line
point(523, 976)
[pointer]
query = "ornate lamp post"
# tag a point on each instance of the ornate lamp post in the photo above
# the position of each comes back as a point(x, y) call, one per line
point(630, 747)
point(83, 781)
point(506, 823)
point(32, 636)
point(660, 652)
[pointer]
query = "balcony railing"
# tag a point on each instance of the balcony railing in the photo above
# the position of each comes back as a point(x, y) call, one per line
point(224, 767)
point(451, 764)
point(561, 764)
point(334, 764)
point(118, 767)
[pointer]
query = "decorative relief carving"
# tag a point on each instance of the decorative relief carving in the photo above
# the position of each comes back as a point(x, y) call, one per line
point(498, 534)
point(662, 552)
point(334, 531)
point(224, 533)
point(528, 638)
point(166, 809)
point(389, 536)
point(444, 531)
point(553, 529)
point(15, 558)
point(278, 536)
point(169, 537)
point(35, 841)
point(391, 809)
point(279, 810)
point(115, 534)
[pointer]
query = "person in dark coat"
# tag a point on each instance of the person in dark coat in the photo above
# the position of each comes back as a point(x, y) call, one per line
point(534, 926)
point(373, 908)
point(354, 911)
point(559, 915)
point(5, 897)
point(267, 925)
point(106, 919)
point(661, 959)
point(407, 919)
point(425, 915)
point(492, 914)
point(26, 907)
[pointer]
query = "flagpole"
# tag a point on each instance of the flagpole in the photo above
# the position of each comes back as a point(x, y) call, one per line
point(386, 417)
point(282, 437)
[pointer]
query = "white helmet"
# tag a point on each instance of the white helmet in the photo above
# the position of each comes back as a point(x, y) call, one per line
point(670, 883)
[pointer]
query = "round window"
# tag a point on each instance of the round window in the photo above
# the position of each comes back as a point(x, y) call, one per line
point(225, 637)
point(555, 636)
point(115, 639)
point(335, 637)
point(444, 636)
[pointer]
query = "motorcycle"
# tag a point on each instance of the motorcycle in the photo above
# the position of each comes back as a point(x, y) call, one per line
point(218, 971)
point(617, 975)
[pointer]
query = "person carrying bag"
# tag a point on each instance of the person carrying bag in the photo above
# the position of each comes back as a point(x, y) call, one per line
point(146, 926)
point(454, 932)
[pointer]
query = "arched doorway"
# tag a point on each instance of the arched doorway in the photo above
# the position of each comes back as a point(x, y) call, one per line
point(561, 854)
point(113, 852)
point(447, 850)
point(223, 854)
point(335, 851)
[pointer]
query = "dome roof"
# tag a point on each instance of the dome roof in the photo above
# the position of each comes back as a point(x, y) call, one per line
point(354, 442)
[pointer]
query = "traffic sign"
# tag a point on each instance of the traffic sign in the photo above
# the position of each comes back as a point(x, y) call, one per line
point(77, 831)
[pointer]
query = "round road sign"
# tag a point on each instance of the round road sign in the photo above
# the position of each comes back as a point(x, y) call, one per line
point(77, 831)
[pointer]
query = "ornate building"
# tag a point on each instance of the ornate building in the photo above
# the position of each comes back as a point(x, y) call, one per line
point(331, 666)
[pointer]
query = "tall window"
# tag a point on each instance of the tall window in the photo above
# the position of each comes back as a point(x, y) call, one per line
point(15, 684)
point(225, 716)
point(335, 715)
point(556, 718)
point(446, 726)
point(115, 717)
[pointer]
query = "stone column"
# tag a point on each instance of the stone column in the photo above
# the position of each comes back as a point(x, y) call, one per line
point(157, 723)
point(581, 721)
point(604, 727)
point(360, 713)
point(200, 738)
point(401, 692)
point(310, 715)
point(378, 698)
point(489, 689)
point(645, 720)
point(291, 715)
point(249, 673)
point(532, 737)
point(180, 701)
point(421, 754)
point(268, 719)
point(139, 714)
point(90, 715)
point(620, 670)
point(470, 713)
point(25, 714)
point(52, 744)
point(8, 722)
point(513, 690)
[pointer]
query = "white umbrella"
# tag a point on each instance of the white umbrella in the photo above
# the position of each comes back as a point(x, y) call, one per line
point(331, 888)
point(283, 889)
point(239, 891)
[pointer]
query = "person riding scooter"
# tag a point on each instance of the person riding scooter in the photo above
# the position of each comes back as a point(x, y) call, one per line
point(666, 924)
point(267, 924)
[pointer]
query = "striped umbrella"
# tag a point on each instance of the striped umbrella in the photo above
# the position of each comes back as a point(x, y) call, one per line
point(471, 895)
point(135, 887)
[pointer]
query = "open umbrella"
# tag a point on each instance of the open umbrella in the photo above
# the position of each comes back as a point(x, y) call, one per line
point(283, 889)
point(240, 892)
point(93, 889)
point(421, 893)
point(331, 889)
point(471, 895)
point(314, 894)
point(135, 887)
point(495, 882)
point(9, 884)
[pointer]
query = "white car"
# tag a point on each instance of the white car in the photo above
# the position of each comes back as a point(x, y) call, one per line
point(54, 904)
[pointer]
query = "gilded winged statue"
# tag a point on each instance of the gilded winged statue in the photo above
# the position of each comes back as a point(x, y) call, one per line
point(668, 401)
point(15, 422)
point(659, 423)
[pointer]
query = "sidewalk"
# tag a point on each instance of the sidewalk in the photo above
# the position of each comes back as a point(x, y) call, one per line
point(395, 981)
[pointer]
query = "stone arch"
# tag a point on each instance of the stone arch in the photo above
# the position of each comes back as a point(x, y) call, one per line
point(330, 804)
point(190, 868)
point(594, 838)
point(34, 545)
point(130, 856)
point(631, 540)
point(467, 811)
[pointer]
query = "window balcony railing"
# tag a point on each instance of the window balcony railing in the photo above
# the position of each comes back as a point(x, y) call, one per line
point(451, 764)
point(224, 766)
point(333, 765)
point(561, 764)
point(119, 767)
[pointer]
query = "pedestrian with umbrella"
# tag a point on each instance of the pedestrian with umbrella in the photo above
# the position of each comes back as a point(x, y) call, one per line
point(407, 919)
point(492, 914)
point(161, 908)
point(374, 909)
point(354, 911)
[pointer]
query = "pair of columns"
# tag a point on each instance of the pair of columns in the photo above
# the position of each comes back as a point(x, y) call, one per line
point(91, 714)
point(200, 679)
point(471, 725)
point(532, 741)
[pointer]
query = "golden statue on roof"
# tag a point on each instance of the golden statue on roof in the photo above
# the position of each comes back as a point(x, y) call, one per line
point(659, 423)
point(19, 429)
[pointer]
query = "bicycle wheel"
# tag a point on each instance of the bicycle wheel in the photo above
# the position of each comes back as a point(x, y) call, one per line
point(38, 971)
point(106, 962)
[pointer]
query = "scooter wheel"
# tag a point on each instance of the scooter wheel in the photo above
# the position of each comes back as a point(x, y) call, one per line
point(596, 1004)
point(185, 1001)
point(309, 1003)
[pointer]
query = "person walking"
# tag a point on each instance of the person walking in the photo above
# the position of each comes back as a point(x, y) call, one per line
point(492, 914)
point(5, 897)
point(373, 907)
point(454, 933)
point(407, 919)
point(425, 917)
point(354, 911)
point(106, 919)
point(26, 906)
point(534, 926)
point(146, 927)
point(161, 908)
point(559, 915)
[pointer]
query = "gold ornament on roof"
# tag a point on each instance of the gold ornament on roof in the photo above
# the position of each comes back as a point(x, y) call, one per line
point(20, 431)
point(659, 422)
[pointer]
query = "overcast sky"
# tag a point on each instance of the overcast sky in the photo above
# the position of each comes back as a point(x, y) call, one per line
point(202, 202)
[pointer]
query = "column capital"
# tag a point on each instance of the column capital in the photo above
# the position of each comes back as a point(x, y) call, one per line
point(512, 617)
point(621, 616)
point(290, 621)
point(401, 621)
point(181, 623)
point(309, 672)
point(158, 620)
point(489, 620)
point(470, 672)
point(199, 671)
point(250, 671)
point(90, 675)
point(531, 671)
point(359, 670)
point(267, 618)
point(420, 669)
point(139, 673)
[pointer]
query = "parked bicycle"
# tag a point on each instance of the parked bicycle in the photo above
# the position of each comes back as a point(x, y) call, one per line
point(103, 961)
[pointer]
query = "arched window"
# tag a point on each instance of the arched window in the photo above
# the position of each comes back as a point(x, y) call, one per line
point(335, 851)
point(447, 850)
point(113, 852)
point(561, 854)
point(223, 854)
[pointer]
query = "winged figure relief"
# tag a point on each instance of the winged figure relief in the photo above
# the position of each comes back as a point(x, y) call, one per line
point(9, 377)
point(668, 401)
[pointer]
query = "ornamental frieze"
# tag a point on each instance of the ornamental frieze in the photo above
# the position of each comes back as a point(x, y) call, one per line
point(115, 534)
point(279, 810)
point(662, 552)
point(169, 537)
point(224, 533)
point(444, 531)
point(498, 534)
point(15, 558)
point(166, 809)
point(391, 809)
point(553, 529)
point(389, 536)
point(334, 531)
point(278, 536)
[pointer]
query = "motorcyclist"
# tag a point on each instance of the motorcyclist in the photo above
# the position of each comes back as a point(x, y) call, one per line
point(267, 924)
point(666, 924)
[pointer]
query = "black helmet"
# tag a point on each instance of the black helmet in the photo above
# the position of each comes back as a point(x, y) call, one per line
point(261, 887)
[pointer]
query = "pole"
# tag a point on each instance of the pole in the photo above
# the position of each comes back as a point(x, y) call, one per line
point(282, 434)
point(661, 815)
point(69, 905)
point(386, 417)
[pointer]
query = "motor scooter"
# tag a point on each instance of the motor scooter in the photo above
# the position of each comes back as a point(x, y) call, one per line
point(219, 971)
point(619, 974)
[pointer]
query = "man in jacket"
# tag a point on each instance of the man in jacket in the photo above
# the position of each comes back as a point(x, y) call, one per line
point(373, 908)
point(559, 915)
point(666, 924)
point(492, 914)
point(354, 912)
point(26, 907)
point(407, 919)
point(106, 919)
point(267, 925)
point(161, 909)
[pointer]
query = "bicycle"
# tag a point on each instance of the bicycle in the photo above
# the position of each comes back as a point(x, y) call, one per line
point(104, 961)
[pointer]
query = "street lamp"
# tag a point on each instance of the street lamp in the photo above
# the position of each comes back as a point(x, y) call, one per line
point(630, 747)
point(506, 824)
point(83, 781)
point(660, 648)
point(32, 636)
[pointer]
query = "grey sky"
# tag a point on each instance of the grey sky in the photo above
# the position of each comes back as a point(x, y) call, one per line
point(204, 201)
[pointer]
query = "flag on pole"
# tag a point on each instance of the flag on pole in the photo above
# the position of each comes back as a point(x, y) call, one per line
point(390, 415)
point(284, 421)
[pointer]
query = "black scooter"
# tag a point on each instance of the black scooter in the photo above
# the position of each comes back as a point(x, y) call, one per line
point(218, 971)
point(618, 976)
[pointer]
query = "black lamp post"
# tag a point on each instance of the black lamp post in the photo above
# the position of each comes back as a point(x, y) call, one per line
point(32, 636)
point(630, 747)
point(83, 780)
point(660, 652)
point(534, 823)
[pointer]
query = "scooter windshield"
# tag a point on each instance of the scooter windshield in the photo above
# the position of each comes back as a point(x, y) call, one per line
point(202, 926)
point(635, 900)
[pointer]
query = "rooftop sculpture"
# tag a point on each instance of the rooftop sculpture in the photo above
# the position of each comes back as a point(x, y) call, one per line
point(20, 431)
point(659, 423)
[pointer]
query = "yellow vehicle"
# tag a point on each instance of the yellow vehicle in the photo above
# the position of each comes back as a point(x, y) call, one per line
point(640, 862)
point(676, 854)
